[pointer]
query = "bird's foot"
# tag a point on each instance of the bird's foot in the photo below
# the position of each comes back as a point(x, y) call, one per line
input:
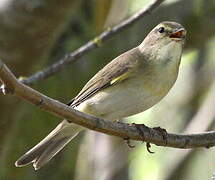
point(140, 128)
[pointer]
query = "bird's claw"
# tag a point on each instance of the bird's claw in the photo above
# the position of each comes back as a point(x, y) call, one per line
point(148, 146)
point(127, 140)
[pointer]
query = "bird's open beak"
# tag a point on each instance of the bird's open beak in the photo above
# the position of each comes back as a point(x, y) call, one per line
point(178, 34)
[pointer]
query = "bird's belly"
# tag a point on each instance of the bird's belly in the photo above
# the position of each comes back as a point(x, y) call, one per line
point(113, 104)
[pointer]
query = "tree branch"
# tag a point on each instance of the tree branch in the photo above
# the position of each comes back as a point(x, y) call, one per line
point(95, 43)
point(123, 130)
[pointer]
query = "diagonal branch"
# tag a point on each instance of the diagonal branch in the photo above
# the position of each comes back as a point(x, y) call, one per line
point(95, 43)
point(123, 130)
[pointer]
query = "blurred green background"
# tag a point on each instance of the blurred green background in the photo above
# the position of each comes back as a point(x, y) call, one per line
point(37, 33)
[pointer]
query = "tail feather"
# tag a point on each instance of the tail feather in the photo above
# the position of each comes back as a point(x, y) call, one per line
point(50, 152)
point(50, 146)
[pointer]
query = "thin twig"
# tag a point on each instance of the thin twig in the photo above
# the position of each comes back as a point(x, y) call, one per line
point(95, 43)
point(123, 130)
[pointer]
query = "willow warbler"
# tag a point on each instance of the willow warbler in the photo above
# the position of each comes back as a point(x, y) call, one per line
point(131, 83)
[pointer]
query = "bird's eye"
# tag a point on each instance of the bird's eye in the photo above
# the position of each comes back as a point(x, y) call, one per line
point(161, 29)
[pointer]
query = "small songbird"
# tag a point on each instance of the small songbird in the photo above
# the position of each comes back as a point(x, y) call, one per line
point(131, 83)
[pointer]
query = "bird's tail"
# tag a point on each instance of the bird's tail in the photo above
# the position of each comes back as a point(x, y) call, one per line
point(50, 146)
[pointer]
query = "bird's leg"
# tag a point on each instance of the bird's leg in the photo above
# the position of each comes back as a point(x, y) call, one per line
point(139, 129)
point(126, 139)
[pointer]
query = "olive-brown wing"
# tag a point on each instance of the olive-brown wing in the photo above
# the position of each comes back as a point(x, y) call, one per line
point(117, 70)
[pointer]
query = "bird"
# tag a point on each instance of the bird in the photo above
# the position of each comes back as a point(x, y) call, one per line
point(131, 83)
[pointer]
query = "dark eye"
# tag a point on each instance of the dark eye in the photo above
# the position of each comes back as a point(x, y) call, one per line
point(161, 29)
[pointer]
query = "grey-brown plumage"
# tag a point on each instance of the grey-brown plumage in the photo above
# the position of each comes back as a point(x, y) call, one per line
point(131, 83)
point(127, 63)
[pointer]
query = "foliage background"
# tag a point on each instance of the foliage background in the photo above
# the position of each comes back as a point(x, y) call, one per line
point(35, 34)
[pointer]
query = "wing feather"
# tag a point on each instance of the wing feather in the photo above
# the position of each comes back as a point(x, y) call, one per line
point(114, 72)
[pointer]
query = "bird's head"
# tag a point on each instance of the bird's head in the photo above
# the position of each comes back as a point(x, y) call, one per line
point(165, 40)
